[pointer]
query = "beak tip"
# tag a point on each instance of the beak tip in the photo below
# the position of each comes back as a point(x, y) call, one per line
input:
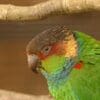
point(33, 62)
point(34, 70)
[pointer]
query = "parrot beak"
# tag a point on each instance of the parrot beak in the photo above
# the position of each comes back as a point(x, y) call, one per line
point(33, 62)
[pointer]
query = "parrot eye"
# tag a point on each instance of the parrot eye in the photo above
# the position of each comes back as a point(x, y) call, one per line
point(46, 50)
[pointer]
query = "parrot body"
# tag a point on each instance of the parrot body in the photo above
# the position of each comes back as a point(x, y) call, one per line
point(70, 62)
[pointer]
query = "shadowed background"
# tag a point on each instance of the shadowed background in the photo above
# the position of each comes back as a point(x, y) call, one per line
point(14, 36)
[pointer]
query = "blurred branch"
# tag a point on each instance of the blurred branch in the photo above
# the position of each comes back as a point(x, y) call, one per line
point(9, 95)
point(12, 12)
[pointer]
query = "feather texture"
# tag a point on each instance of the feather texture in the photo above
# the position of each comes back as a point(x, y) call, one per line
point(80, 84)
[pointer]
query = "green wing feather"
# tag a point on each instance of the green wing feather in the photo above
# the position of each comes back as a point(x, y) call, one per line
point(83, 84)
point(86, 81)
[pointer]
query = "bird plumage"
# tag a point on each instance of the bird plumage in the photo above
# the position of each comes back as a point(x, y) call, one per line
point(81, 84)
point(72, 69)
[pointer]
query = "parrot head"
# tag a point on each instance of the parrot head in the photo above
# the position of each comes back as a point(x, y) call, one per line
point(51, 49)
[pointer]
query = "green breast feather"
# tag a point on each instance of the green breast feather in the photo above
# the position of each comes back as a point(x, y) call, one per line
point(51, 67)
point(83, 84)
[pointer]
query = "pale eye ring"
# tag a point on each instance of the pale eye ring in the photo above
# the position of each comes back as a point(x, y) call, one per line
point(46, 50)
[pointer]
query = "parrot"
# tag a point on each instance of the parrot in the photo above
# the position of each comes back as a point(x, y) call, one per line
point(69, 61)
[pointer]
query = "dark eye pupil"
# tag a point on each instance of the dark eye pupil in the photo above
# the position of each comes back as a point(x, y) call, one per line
point(46, 49)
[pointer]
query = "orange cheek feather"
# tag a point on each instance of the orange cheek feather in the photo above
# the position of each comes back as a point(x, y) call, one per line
point(59, 49)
